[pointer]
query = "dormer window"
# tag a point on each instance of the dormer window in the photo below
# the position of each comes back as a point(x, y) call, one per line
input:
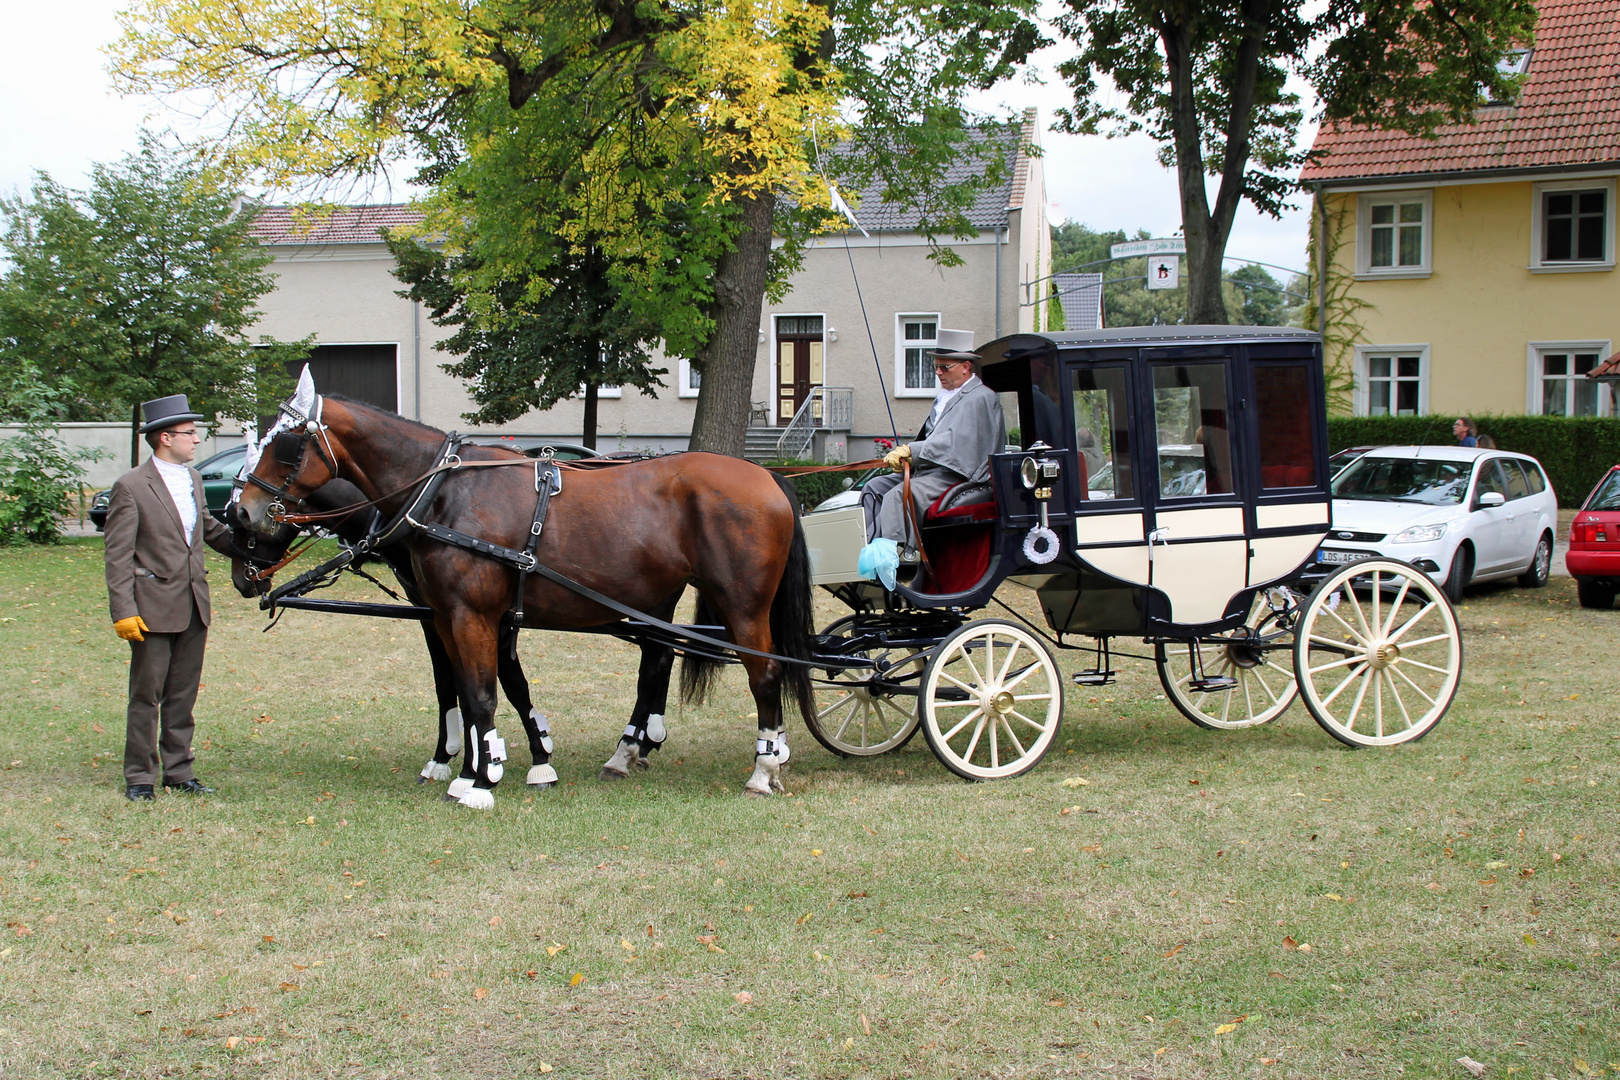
point(1515, 63)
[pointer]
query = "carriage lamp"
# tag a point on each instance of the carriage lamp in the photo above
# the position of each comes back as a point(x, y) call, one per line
point(1037, 474)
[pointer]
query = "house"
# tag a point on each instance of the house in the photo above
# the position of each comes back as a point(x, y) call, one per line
point(1475, 272)
point(844, 351)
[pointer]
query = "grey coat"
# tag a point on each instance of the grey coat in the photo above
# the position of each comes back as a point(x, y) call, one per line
point(967, 432)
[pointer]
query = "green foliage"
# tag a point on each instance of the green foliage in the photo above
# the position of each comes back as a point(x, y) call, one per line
point(1079, 247)
point(1209, 81)
point(815, 488)
point(142, 286)
point(1575, 450)
point(38, 474)
point(1263, 301)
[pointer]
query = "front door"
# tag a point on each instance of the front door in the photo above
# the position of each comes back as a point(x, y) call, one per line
point(798, 363)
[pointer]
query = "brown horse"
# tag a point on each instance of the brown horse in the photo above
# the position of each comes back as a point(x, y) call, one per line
point(637, 533)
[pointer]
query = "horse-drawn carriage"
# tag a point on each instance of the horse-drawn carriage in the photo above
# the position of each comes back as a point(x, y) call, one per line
point(1165, 483)
point(1169, 484)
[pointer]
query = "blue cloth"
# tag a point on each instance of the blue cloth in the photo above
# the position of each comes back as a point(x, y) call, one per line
point(1468, 440)
point(879, 560)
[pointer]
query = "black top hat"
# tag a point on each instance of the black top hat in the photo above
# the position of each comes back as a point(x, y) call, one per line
point(165, 412)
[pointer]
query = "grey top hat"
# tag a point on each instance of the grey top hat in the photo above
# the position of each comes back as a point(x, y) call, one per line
point(166, 412)
point(955, 345)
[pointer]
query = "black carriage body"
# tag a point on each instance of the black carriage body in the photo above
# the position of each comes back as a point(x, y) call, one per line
point(1192, 471)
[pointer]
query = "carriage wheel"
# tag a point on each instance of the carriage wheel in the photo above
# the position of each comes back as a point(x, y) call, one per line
point(1378, 653)
point(991, 700)
point(859, 714)
point(1256, 655)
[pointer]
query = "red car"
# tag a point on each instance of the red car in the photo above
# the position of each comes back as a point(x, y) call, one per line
point(1594, 544)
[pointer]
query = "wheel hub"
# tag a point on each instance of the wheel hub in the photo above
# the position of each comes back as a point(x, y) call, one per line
point(1000, 703)
point(1381, 656)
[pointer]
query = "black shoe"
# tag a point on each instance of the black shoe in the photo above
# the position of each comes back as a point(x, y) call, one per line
point(139, 793)
point(189, 787)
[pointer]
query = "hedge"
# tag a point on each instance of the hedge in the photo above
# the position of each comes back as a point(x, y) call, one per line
point(814, 488)
point(1575, 450)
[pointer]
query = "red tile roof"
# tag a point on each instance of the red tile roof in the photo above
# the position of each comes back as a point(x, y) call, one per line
point(1608, 371)
point(1568, 113)
point(293, 225)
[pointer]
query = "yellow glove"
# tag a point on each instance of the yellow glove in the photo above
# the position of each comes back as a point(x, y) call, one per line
point(132, 628)
point(894, 457)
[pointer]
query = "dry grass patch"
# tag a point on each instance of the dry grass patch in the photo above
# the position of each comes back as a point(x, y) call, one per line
point(1210, 904)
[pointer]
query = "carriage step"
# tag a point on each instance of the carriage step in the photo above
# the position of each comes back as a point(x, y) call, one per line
point(1094, 677)
point(1213, 684)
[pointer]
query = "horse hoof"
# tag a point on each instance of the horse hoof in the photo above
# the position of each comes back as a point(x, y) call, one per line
point(756, 793)
point(478, 799)
point(611, 774)
point(541, 776)
point(544, 787)
point(643, 764)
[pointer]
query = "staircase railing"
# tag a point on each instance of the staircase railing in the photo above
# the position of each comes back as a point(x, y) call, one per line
point(827, 408)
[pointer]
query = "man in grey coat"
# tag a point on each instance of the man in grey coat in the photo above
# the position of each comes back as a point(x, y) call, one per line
point(964, 428)
point(157, 588)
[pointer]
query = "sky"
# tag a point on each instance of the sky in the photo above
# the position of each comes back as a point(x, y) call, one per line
point(59, 115)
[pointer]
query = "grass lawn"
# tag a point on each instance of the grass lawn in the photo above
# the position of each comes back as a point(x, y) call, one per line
point(1154, 900)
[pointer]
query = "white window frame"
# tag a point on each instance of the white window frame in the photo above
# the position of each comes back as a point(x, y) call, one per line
point(901, 390)
point(603, 393)
point(1533, 397)
point(1362, 397)
point(1537, 204)
point(683, 380)
point(1364, 205)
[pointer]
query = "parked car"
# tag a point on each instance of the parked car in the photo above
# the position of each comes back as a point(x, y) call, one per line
point(1459, 514)
point(218, 472)
point(1593, 558)
point(531, 446)
point(1337, 462)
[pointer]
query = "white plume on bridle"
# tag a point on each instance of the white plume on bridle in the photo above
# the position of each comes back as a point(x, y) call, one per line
point(294, 412)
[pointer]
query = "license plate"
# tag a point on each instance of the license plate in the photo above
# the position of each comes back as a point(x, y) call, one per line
point(1341, 557)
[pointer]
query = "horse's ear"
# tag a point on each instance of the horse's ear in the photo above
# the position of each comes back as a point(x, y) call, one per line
point(304, 397)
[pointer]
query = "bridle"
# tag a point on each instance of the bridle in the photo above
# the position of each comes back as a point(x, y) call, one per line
point(289, 447)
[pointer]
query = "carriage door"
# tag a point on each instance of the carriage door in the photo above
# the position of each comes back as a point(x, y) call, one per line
point(798, 363)
point(1110, 534)
point(1198, 549)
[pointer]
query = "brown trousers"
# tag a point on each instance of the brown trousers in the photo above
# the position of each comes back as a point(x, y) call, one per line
point(164, 673)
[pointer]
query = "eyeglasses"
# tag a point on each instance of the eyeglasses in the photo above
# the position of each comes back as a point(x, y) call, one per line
point(192, 434)
point(947, 367)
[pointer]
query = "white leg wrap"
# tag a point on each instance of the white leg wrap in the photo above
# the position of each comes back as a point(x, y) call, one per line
point(541, 776)
point(458, 787)
point(655, 727)
point(478, 799)
point(434, 770)
point(539, 719)
point(452, 732)
point(623, 755)
point(496, 755)
point(782, 753)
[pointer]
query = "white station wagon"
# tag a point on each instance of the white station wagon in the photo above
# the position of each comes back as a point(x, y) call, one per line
point(1459, 514)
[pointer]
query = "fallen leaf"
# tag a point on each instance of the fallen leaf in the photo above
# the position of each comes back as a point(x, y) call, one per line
point(978, 955)
point(1332, 896)
point(544, 1067)
point(230, 1043)
point(579, 977)
point(1268, 1061)
point(1056, 1003)
point(288, 987)
point(1226, 1029)
point(531, 973)
point(1434, 886)
point(815, 852)
point(269, 938)
point(1305, 947)
point(1472, 1066)
point(1075, 781)
point(1161, 1051)
point(1487, 881)
point(496, 921)
point(624, 943)
point(1175, 950)
point(857, 895)
point(1289, 942)
point(553, 950)
point(1528, 940)
point(708, 939)
point(1091, 849)
point(479, 993)
point(743, 997)
point(300, 967)
point(866, 1025)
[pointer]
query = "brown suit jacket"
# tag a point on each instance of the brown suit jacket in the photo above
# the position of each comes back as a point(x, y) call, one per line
point(151, 570)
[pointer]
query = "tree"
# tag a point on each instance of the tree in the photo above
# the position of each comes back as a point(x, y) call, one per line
point(1263, 301)
point(580, 334)
point(725, 102)
point(1075, 245)
point(142, 286)
point(1208, 81)
point(38, 473)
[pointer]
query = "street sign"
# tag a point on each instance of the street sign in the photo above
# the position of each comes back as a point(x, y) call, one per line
point(1163, 271)
point(1174, 245)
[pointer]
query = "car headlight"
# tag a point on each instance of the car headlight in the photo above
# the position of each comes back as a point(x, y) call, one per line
point(1418, 534)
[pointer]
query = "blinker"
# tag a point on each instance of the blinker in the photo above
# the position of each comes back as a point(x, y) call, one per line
point(288, 447)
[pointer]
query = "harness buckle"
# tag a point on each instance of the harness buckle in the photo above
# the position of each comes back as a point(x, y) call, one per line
point(527, 562)
point(452, 461)
point(534, 530)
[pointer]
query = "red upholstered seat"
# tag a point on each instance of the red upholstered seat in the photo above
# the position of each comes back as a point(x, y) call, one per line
point(958, 544)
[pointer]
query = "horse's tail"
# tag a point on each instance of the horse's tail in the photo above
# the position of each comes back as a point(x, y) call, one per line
point(792, 613)
point(698, 673)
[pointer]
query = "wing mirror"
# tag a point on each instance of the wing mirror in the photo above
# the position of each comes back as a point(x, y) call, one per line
point(1491, 498)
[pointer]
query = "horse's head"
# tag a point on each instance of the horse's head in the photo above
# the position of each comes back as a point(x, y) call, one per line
point(254, 557)
point(298, 455)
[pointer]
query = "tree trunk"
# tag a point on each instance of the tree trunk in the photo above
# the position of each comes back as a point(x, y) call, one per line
point(726, 362)
point(1204, 301)
point(588, 435)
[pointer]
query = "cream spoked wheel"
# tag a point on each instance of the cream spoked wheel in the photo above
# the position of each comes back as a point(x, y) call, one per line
point(1378, 653)
point(1257, 657)
point(868, 711)
point(991, 700)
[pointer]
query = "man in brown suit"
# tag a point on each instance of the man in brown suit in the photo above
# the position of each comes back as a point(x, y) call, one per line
point(157, 588)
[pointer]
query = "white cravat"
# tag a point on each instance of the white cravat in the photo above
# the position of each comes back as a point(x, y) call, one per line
point(178, 479)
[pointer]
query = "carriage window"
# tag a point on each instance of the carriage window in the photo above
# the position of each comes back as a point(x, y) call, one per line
point(1190, 413)
point(1102, 432)
point(1283, 415)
